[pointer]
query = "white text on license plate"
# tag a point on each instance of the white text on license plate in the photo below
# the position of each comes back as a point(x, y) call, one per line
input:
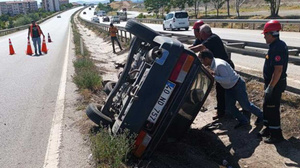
point(162, 101)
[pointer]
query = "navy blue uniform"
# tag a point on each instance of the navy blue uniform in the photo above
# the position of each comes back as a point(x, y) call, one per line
point(197, 42)
point(216, 46)
point(277, 55)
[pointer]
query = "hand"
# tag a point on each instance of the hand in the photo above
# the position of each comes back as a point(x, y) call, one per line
point(268, 92)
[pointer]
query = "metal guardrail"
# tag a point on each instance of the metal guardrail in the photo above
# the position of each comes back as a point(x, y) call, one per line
point(245, 23)
point(232, 46)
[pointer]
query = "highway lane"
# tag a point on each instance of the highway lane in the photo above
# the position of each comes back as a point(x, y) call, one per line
point(29, 87)
point(242, 61)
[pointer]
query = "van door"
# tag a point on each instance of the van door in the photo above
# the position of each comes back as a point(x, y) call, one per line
point(182, 19)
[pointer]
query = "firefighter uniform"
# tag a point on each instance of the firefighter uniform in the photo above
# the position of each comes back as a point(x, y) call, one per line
point(277, 56)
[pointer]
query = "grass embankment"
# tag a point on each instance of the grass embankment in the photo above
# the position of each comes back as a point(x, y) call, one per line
point(108, 150)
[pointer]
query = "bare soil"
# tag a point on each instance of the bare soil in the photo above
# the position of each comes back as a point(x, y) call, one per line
point(210, 143)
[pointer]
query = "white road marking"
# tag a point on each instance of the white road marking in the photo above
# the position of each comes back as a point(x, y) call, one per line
point(52, 154)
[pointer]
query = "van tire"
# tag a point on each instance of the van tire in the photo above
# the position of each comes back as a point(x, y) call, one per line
point(93, 112)
point(164, 27)
point(171, 28)
point(141, 31)
point(186, 28)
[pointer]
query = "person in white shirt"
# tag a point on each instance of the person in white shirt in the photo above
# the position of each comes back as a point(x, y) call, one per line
point(235, 88)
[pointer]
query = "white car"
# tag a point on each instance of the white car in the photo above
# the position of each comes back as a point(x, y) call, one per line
point(176, 20)
point(95, 19)
point(115, 19)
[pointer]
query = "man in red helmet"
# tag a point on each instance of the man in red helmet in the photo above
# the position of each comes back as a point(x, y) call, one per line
point(275, 81)
point(196, 28)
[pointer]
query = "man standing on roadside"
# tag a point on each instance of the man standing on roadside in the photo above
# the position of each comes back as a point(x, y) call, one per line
point(275, 81)
point(235, 88)
point(34, 31)
point(214, 43)
point(113, 35)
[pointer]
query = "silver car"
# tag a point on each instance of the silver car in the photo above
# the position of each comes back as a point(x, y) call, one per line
point(115, 19)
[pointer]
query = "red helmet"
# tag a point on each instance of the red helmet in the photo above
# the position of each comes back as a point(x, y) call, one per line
point(272, 25)
point(197, 24)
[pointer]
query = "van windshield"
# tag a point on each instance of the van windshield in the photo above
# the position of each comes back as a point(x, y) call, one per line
point(181, 15)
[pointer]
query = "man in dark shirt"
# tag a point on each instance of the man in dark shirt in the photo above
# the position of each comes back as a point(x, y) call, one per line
point(214, 43)
point(274, 72)
point(34, 31)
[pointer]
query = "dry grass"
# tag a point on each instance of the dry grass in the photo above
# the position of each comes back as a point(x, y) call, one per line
point(290, 112)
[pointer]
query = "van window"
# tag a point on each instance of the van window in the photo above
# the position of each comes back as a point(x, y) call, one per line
point(181, 15)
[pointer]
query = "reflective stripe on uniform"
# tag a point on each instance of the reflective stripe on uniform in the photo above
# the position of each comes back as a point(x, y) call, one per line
point(274, 127)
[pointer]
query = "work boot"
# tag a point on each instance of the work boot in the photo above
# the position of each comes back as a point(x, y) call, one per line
point(275, 136)
point(264, 133)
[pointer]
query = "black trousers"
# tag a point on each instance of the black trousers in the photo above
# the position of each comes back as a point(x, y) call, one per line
point(221, 95)
point(113, 39)
point(271, 107)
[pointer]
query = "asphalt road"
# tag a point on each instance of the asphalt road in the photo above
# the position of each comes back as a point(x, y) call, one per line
point(28, 95)
point(243, 62)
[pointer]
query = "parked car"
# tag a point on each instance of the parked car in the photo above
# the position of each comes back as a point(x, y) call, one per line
point(176, 20)
point(95, 19)
point(115, 19)
point(101, 13)
point(58, 16)
point(105, 19)
point(84, 13)
point(159, 93)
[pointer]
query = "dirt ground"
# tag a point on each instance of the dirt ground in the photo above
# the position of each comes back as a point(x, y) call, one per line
point(209, 143)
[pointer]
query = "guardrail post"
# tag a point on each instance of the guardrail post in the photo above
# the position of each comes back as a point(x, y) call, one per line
point(122, 36)
point(231, 25)
point(242, 25)
point(81, 47)
point(253, 26)
point(125, 37)
point(130, 36)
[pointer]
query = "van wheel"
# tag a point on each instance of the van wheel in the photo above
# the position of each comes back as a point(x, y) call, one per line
point(93, 112)
point(141, 31)
point(164, 27)
point(186, 28)
point(171, 28)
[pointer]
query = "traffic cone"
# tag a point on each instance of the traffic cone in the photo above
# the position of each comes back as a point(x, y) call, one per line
point(49, 38)
point(29, 50)
point(44, 47)
point(11, 49)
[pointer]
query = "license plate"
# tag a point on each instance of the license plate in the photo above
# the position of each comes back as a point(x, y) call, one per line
point(181, 22)
point(161, 102)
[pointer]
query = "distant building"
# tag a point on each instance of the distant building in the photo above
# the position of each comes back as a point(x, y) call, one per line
point(63, 2)
point(76, 4)
point(18, 7)
point(51, 5)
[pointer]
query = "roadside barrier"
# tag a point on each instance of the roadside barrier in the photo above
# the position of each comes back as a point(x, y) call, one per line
point(44, 46)
point(11, 48)
point(29, 50)
point(49, 38)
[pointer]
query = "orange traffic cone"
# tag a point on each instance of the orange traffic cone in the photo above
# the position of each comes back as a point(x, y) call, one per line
point(29, 50)
point(49, 38)
point(11, 48)
point(44, 47)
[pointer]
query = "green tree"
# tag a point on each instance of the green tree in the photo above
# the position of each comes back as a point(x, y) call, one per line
point(195, 4)
point(155, 5)
point(274, 7)
point(10, 23)
point(238, 4)
point(228, 8)
point(218, 4)
point(205, 5)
